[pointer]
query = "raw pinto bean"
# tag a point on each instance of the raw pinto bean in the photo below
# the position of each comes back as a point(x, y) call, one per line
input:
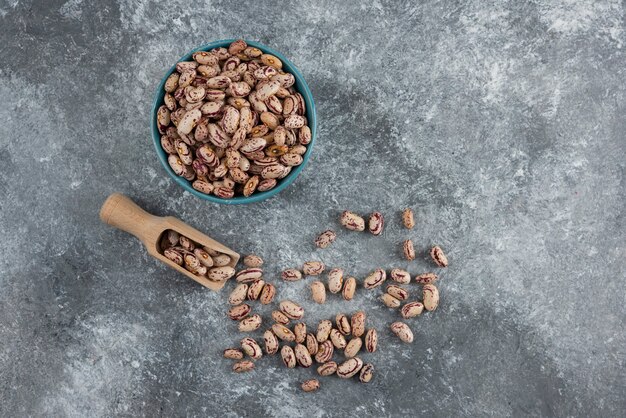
point(408, 219)
point(357, 323)
point(323, 330)
point(338, 340)
point(398, 292)
point(426, 278)
point(251, 348)
point(343, 324)
point(375, 279)
point(335, 280)
point(250, 323)
point(349, 368)
point(243, 366)
point(271, 342)
point(267, 294)
point(288, 356)
point(376, 223)
point(400, 276)
point(299, 331)
point(239, 312)
point(438, 256)
point(291, 309)
point(318, 292)
point(310, 385)
point(352, 221)
point(411, 310)
point(349, 288)
point(313, 268)
point(430, 294)
point(367, 373)
point(291, 275)
point(280, 318)
point(312, 344)
point(408, 250)
point(353, 347)
point(283, 332)
point(402, 331)
point(233, 354)
point(303, 357)
point(255, 289)
point(324, 352)
point(327, 369)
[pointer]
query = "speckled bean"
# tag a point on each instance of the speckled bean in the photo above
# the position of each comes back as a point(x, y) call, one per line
point(349, 368)
point(318, 292)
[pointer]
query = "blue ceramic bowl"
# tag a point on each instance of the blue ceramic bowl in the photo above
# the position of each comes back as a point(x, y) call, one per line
point(300, 86)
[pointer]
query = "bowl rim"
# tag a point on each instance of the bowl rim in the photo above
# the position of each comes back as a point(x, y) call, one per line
point(257, 196)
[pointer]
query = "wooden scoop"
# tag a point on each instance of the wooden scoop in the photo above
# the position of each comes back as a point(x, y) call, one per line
point(121, 212)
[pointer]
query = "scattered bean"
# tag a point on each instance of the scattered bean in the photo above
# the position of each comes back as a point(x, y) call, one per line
point(291, 309)
point(349, 288)
point(398, 292)
point(349, 368)
point(283, 333)
point(323, 330)
point(431, 297)
point(407, 218)
point(311, 343)
point(325, 352)
point(335, 280)
point(400, 276)
point(237, 313)
point(291, 275)
point(251, 348)
point(253, 261)
point(408, 250)
point(288, 356)
point(280, 318)
point(367, 373)
point(376, 223)
point(255, 289)
point(436, 253)
point(357, 323)
point(267, 294)
point(352, 221)
point(338, 340)
point(271, 342)
point(318, 292)
point(353, 347)
point(250, 323)
point(313, 268)
point(375, 279)
point(426, 278)
point(299, 331)
point(303, 357)
point(310, 385)
point(326, 238)
point(327, 369)
point(243, 366)
point(411, 310)
point(233, 354)
point(402, 331)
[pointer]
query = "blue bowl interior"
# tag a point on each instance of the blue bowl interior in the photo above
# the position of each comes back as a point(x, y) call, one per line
point(301, 87)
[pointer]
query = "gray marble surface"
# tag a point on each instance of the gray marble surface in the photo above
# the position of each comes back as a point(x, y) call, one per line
point(501, 123)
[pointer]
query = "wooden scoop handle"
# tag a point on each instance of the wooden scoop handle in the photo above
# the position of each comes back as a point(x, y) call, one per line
point(122, 213)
